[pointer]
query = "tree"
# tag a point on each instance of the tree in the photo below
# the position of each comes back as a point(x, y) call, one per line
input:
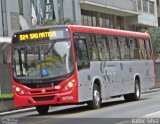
point(49, 22)
point(155, 39)
point(54, 22)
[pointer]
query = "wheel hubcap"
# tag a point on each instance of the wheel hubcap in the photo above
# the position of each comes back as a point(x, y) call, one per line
point(137, 90)
point(96, 97)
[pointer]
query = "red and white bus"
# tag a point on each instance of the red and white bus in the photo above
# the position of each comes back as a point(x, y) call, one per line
point(74, 64)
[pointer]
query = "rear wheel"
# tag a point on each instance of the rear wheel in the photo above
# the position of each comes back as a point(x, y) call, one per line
point(43, 109)
point(137, 93)
point(96, 102)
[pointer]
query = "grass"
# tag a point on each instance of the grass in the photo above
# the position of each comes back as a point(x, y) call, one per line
point(6, 96)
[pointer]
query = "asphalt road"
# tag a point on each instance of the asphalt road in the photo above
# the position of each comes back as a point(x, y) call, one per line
point(113, 111)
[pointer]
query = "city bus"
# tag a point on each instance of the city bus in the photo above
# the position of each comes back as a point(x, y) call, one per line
point(73, 64)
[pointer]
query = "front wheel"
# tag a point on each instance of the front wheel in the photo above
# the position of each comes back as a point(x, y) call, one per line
point(96, 102)
point(42, 109)
point(136, 95)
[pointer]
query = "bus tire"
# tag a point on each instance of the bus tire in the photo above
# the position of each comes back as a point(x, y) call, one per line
point(96, 102)
point(42, 109)
point(136, 95)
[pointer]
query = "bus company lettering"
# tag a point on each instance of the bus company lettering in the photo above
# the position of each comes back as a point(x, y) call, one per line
point(39, 35)
point(65, 98)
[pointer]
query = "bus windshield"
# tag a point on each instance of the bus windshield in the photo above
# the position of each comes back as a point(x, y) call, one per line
point(45, 59)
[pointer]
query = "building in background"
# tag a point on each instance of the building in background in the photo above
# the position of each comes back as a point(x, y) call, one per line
point(158, 12)
point(14, 15)
point(121, 14)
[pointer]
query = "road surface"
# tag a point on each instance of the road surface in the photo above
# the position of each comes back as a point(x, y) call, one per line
point(113, 111)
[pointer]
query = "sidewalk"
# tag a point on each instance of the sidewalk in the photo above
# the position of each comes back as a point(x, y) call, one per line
point(155, 88)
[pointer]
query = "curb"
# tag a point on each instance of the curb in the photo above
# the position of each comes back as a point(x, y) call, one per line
point(17, 111)
point(151, 90)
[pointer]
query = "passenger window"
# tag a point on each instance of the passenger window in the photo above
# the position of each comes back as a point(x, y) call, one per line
point(114, 48)
point(81, 52)
point(102, 48)
point(124, 47)
point(134, 49)
point(148, 49)
point(93, 51)
point(142, 49)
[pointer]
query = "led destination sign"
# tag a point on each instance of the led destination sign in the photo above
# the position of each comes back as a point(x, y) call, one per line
point(41, 35)
point(38, 35)
point(48, 34)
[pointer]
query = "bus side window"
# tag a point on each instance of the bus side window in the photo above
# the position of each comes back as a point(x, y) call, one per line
point(137, 49)
point(148, 48)
point(114, 48)
point(102, 47)
point(124, 48)
point(142, 49)
point(81, 52)
point(134, 49)
point(93, 51)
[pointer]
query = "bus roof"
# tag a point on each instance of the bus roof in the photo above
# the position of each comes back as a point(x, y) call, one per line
point(99, 30)
point(5, 39)
point(41, 28)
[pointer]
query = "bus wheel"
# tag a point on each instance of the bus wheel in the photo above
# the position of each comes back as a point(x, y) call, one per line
point(42, 109)
point(137, 93)
point(96, 102)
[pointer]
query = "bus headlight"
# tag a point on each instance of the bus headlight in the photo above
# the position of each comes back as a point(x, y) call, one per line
point(19, 91)
point(69, 85)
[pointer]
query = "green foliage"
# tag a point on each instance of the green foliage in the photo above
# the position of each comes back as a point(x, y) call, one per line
point(49, 22)
point(155, 38)
point(67, 21)
point(6, 96)
point(54, 22)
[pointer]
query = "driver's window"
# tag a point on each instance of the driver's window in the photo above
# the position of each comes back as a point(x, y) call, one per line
point(81, 52)
point(19, 62)
point(16, 62)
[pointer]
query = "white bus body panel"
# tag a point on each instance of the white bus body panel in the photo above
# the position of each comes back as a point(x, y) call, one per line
point(116, 77)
